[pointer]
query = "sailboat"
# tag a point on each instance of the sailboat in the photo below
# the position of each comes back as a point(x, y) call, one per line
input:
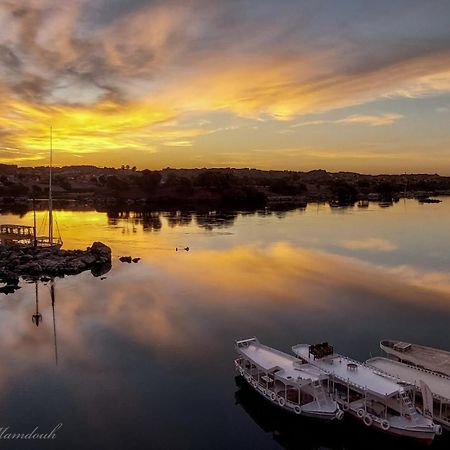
point(26, 235)
point(50, 240)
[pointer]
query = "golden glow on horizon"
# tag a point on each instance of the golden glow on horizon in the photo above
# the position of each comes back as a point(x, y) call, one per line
point(104, 127)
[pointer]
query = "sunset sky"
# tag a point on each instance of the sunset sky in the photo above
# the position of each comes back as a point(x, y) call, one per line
point(356, 85)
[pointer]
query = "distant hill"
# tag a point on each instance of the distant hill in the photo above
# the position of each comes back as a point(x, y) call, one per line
point(212, 187)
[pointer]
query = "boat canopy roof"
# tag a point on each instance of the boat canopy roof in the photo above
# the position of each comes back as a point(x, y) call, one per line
point(352, 372)
point(285, 366)
point(430, 358)
point(439, 384)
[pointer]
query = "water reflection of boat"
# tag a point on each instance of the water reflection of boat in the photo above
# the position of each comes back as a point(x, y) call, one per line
point(292, 432)
point(295, 387)
point(370, 396)
point(285, 428)
point(37, 316)
point(426, 357)
point(438, 384)
point(53, 298)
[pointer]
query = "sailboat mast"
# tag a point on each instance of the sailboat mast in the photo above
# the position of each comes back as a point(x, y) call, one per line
point(34, 223)
point(50, 199)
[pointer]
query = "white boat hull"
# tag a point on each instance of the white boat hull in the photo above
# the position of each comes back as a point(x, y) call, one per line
point(425, 435)
point(305, 410)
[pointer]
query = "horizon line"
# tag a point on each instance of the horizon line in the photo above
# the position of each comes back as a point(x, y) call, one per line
point(228, 168)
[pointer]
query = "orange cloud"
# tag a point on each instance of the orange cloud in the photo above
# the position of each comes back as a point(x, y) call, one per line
point(375, 120)
point(107, 86)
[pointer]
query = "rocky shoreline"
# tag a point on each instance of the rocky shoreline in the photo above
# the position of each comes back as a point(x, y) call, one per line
point(33, 263)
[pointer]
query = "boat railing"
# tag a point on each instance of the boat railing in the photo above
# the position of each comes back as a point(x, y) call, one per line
point(352, 383)
point(351, 360)
point(375, 370)
point(258, 384)
point(384, 373)
point(276, 351)
point(421, 369)
point(264, 386)
point(330, 357)
point(408, 383)
point(347, 360)
point(245, 342)
point(44, 241)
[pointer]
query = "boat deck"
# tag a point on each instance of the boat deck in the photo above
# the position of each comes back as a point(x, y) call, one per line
point(426, 357)
point(268, 359)
point(439, 385)
point(353, 372)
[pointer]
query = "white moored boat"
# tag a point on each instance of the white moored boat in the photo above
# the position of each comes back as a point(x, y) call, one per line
point(283, 379)
point(439, 385)
point(369, 395)
point(418, 355)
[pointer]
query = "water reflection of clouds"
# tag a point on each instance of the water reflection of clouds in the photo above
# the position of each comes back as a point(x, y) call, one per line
point(284, 273)
point(374, 244)
point(158, 330)
point(159, 301)
point(171, 300)
point(163, 329)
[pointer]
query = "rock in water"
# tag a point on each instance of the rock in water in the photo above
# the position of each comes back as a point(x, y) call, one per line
point(37, 262)
point(102, 252)
point(126, 259)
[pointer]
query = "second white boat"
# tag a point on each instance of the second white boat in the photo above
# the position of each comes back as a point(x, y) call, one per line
point(371, 396)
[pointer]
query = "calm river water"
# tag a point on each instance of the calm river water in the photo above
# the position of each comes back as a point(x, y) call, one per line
point(145, 355)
